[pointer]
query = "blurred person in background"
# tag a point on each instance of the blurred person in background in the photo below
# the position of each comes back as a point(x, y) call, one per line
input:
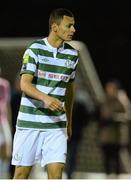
point(15, 101)
point(15, 104)
point(5, 128)
point(115, 111)
point(45, 115)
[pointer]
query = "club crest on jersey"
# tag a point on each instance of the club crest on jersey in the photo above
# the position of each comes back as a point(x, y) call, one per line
point(18, 157)
point(69, 63)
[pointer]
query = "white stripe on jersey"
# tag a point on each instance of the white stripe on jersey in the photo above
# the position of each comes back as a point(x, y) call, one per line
point(31, 102)
point(30, 67)
point(46, 48)
point(57, 62)
point(52, 90)
point(41, 118)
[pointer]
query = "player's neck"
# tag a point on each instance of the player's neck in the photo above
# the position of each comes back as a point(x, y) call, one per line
point(54, 41)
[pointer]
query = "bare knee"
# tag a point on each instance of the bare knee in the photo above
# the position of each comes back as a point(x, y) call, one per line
point(55, 170)
point(22, 172)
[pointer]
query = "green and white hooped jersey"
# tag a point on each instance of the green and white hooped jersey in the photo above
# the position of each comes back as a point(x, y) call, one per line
point(52, 69)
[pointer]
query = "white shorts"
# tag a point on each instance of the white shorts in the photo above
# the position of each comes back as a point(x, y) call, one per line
point(34, 146)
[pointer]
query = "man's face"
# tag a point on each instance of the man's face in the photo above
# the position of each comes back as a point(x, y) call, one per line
point(111, 89)
point(66, 30)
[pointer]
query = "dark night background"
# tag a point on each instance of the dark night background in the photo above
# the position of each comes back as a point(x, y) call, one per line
point(105, 26)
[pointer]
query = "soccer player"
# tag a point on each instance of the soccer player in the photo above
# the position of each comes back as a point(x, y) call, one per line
point(44, 118)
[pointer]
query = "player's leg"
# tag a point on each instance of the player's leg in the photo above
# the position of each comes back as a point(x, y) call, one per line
point(22, 172)
point(54, 153)
point(55, 170)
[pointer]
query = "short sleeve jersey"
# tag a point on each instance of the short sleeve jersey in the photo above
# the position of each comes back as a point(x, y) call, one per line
point(52, 70)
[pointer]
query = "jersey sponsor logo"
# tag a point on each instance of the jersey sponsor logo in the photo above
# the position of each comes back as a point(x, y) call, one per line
point(57, 76)
point(41, 60)
point(45, 59)
point(41, 74)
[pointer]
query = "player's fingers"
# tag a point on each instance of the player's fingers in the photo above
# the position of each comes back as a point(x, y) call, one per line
point(56, 107)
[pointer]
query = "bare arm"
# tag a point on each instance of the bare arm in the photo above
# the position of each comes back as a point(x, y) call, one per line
point(28, 88)
point(69, 107)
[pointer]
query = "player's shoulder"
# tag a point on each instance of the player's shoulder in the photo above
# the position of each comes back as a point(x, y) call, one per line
point(71, 48)
point(68, 46)
point(36, 43)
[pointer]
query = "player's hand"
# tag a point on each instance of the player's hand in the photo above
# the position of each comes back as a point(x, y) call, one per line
point(5, 151)
point(53, 104)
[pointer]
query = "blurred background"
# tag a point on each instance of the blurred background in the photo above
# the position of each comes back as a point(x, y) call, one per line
point(103, 25)
point(103, 36)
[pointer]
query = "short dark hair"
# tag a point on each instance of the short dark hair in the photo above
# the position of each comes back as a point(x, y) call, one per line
point(117, 82)
point(57, 15)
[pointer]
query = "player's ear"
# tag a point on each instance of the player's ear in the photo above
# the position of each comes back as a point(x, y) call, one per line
point(54, 27)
